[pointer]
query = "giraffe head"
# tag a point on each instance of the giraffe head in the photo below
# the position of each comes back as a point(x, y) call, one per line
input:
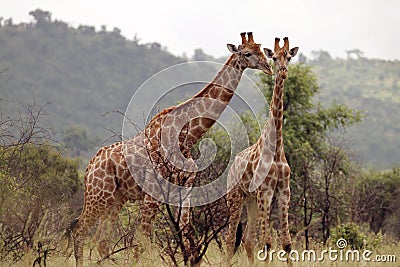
point(281, 56)
point(250, 55)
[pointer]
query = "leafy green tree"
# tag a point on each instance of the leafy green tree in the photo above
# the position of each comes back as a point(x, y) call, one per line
point(376, 201)
point(34, 197)
point(40, 15)
point(78, 141)
point(372, 85)
point(36, 184)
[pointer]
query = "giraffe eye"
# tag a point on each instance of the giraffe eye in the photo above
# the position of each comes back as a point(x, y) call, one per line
point(289, 58)
point(247, 54)
point(274, 58)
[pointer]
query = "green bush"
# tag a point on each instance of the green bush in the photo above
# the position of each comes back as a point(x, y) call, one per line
point(357, 237)
point(36, 187)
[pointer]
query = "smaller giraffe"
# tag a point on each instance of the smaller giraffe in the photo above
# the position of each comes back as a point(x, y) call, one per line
point(261, 169)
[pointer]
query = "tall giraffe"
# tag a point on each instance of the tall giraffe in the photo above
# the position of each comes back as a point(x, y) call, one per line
point(261, 169)
point(112, 175)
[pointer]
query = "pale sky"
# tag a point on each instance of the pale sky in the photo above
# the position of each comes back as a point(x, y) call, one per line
point(372, 26)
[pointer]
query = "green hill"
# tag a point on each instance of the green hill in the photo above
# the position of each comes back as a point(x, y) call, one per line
point(86, 73)
point(370, 85)
point(83, 73)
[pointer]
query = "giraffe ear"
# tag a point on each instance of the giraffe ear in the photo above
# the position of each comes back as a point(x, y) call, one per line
point(232, 48)
point(268, 52)
point(293, 51)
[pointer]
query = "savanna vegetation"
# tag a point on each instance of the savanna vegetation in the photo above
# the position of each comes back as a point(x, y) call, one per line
point(59, 86)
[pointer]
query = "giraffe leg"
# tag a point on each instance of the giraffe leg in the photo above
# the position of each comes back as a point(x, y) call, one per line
point(184, 220)
point(235, 204)
point(249, 236)
point(264, 199)
point(95, 207)
point(79, 233)
point(149, 206)
point(283, 198)
point(106, 226)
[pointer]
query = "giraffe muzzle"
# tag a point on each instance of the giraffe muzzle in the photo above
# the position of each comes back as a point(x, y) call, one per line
point(283, 71)
point(266, 68)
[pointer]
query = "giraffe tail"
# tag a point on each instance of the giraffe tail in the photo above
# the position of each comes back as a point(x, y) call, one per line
point(239, 235)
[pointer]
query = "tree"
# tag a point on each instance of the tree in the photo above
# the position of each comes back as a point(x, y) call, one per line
point(36, 183)
point(40, 16)
point(199, 55)
point(77, 140)
point(306, 124)
point(207, 222)
point(357, 53)
point(321, 56)
point(376, 201)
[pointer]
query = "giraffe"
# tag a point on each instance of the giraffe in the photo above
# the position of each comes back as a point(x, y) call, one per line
point(117, 173)
point(261, 170)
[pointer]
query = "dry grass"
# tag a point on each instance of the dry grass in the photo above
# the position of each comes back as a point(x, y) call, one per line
point(150, 257)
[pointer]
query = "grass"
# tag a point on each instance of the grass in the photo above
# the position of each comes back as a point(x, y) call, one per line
point(214, 257)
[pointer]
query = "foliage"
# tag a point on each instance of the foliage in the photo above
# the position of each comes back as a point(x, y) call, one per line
point(33, 197)
point(77, 140)
point(206, 222)
point(36, 185)
point(376, 201)
point(371, 85)
point(357, 237)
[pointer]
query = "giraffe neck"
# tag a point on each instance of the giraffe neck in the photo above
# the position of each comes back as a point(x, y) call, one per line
point(223, 85)
point(277, 112)
point(221, 88)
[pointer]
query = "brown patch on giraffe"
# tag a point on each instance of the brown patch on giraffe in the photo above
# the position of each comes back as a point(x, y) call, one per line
point(107, 194)
point(286, 171)
point(286, 193)
point(103, 164)
point(100, 183)
point(97, 155)
point(109, 187)
point(110, 168)
point(273, 170)
point(109, 180)
point(273, 183)
point(95, 182)
point(98, 173)
point(214, 91)
point(280, 185)
point(278, 125)
point(103, 155)
point(226, 95)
